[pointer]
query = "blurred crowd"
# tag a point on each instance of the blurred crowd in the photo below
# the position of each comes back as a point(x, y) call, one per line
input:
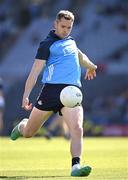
point(117, 11)
point(15, 16)
point(115, 8)
point(109, 110)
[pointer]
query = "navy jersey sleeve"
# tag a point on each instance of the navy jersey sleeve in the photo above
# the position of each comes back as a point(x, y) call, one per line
point(43, 51)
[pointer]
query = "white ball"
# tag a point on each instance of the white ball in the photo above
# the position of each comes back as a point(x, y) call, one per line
point(71, 96)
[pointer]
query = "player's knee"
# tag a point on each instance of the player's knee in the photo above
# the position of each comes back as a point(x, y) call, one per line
point(78, 131)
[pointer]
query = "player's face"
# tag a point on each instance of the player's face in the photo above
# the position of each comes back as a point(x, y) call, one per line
point(63, 27)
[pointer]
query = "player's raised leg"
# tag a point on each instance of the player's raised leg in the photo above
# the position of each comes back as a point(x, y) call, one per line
point(74, 119)
point(29, 127)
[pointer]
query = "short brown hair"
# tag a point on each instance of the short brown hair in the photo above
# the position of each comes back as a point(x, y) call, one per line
point(65, 14)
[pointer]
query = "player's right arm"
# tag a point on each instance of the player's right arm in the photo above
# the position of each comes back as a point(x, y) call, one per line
point(85, 62)
point(31, 81)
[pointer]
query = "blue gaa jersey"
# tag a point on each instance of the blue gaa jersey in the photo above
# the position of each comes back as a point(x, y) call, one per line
point(62, 63)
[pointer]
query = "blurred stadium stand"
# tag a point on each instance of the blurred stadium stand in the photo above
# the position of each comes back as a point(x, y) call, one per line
point(100, 30)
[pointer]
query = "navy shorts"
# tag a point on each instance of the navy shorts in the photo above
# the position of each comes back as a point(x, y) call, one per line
point(49, 98)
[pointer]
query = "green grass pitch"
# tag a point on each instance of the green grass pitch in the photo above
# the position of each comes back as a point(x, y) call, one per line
point(38, 158)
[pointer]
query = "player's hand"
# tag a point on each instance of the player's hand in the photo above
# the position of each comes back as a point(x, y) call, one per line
point(90, 74)
point(26, 105)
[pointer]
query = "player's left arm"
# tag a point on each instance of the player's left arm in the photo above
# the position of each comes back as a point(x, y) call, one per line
point(85, 62)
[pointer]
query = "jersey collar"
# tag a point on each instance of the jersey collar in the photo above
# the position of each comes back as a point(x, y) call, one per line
point(52, 33)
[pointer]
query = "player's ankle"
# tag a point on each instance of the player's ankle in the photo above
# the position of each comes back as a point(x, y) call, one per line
point(75, 163)
point(75, 160)
point(75, 167)
point(21, 125)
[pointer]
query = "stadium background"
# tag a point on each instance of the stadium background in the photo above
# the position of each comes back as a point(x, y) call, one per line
point(100, 30)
